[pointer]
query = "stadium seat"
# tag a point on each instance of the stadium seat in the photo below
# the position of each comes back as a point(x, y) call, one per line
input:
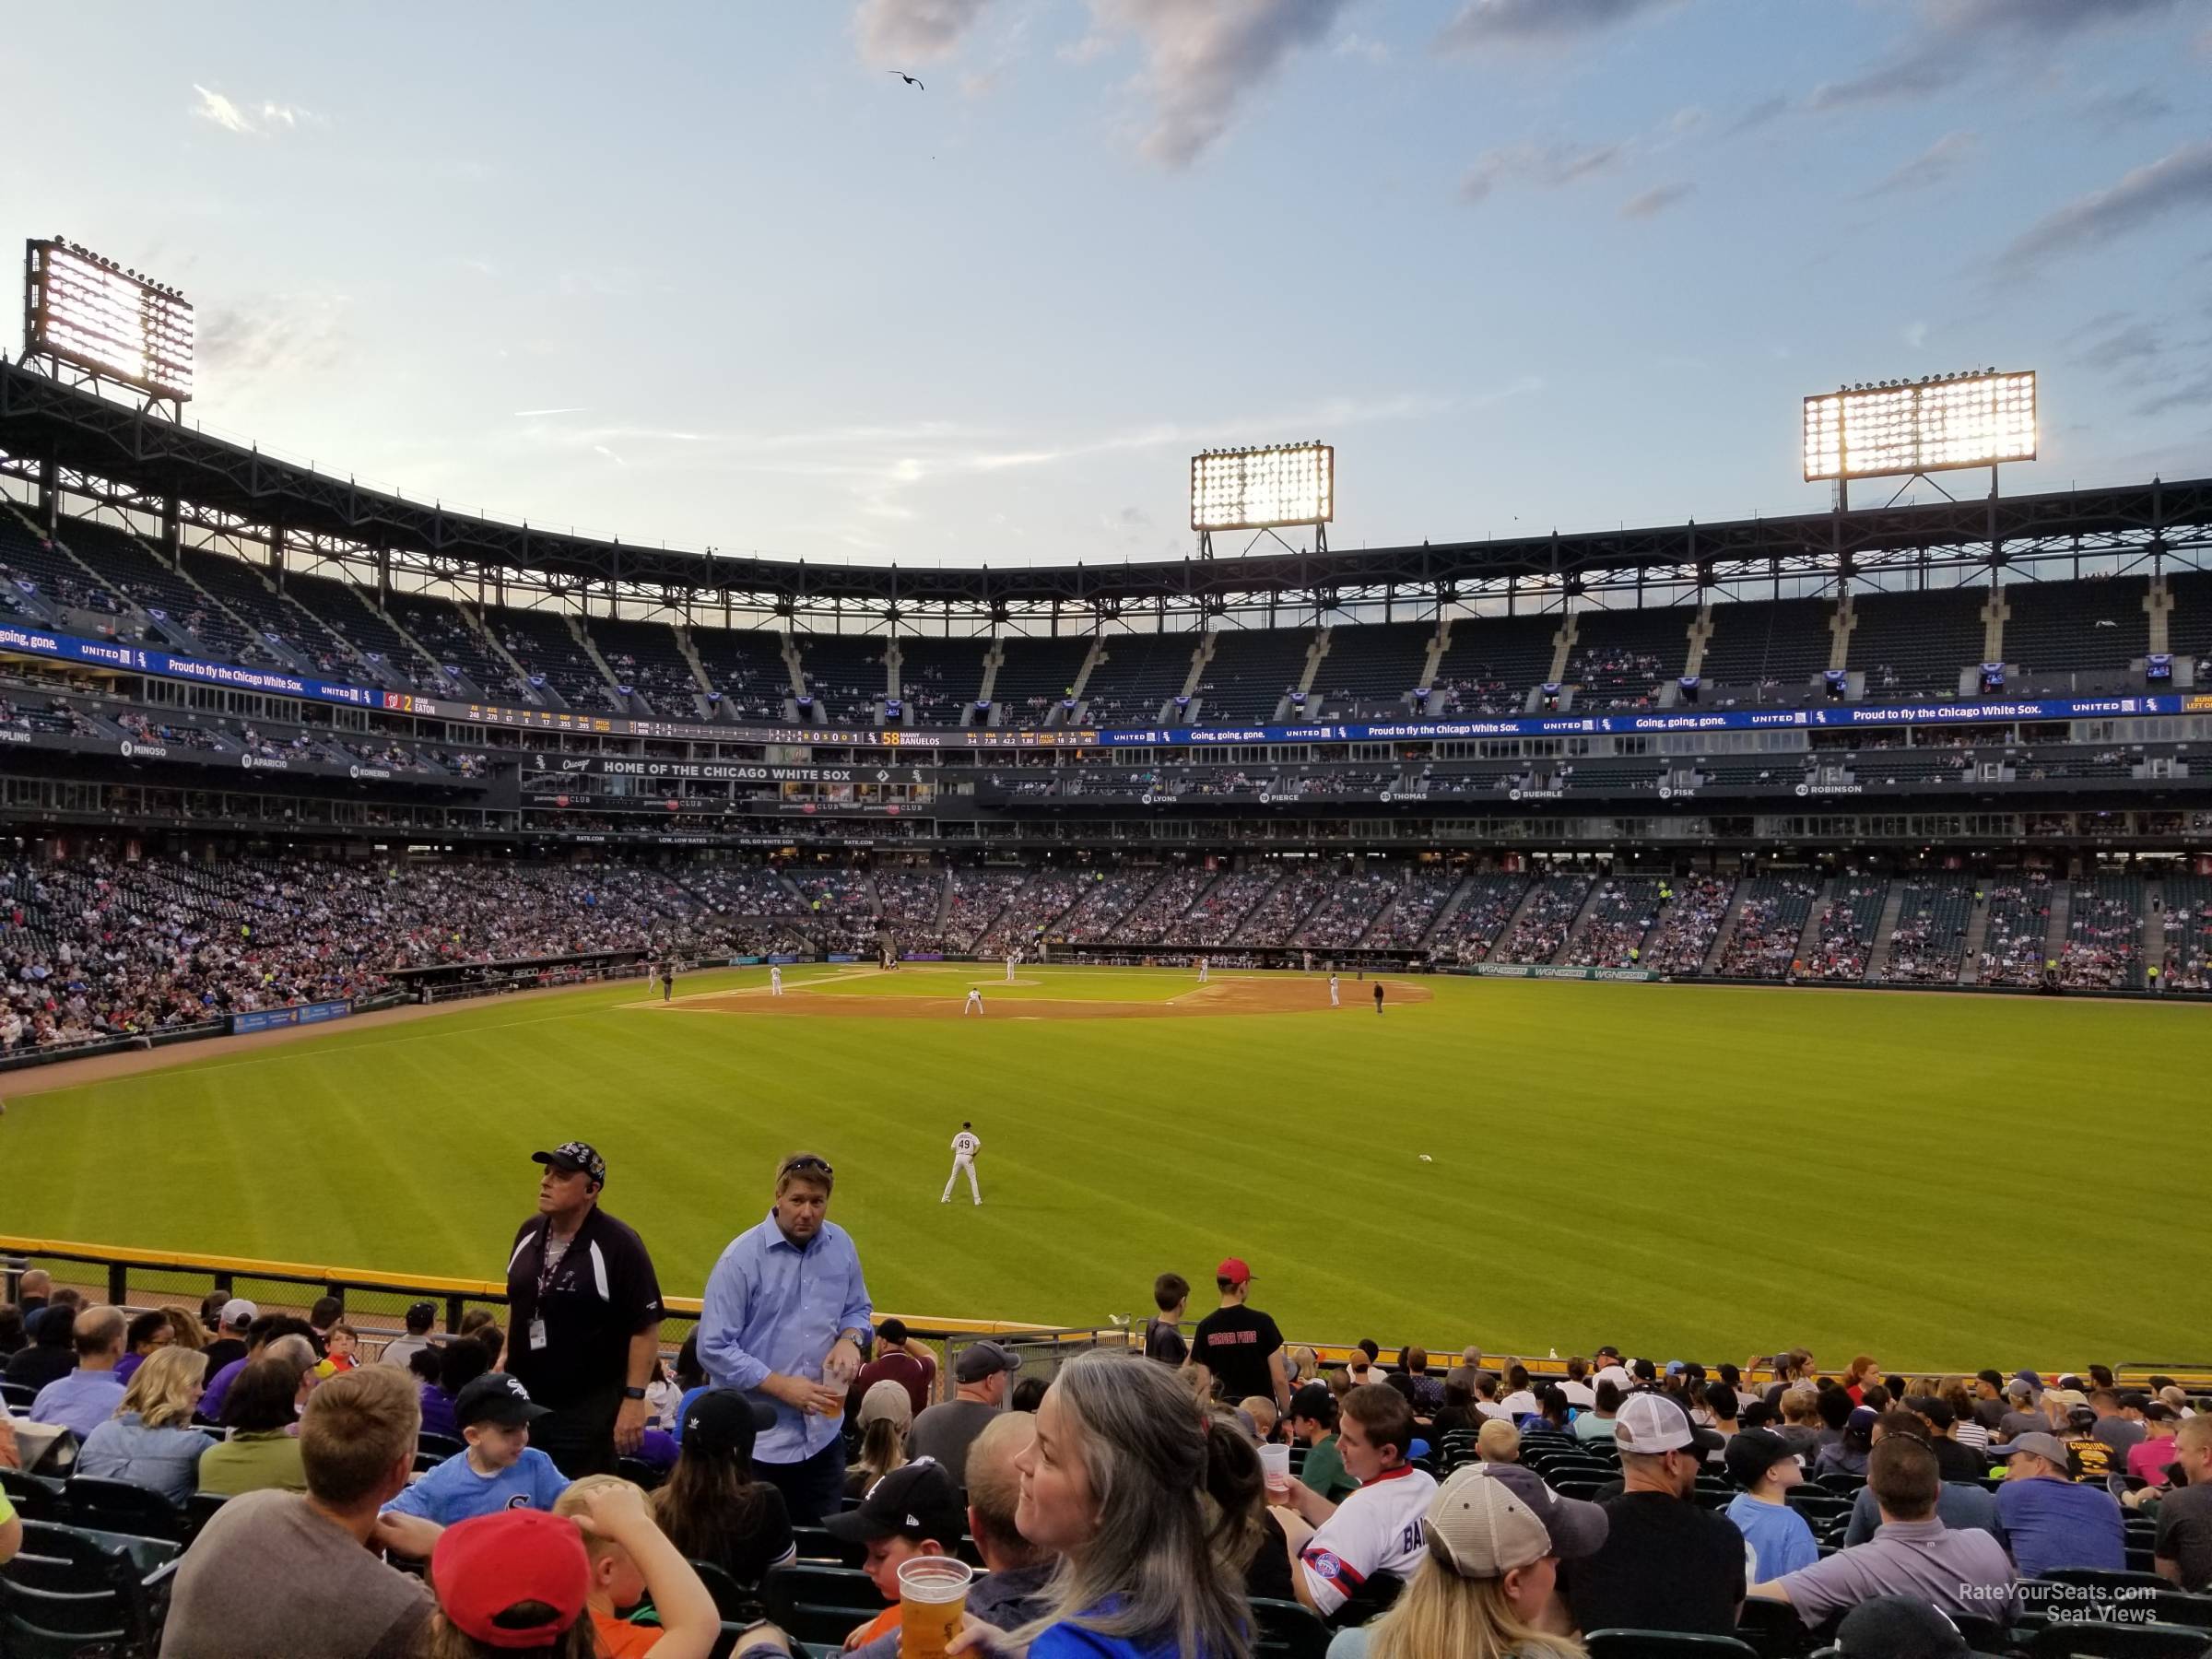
point(2180, 1607)
point(2104, 1579)
point(19, 1394)
point(1772, 1629)
point(819, 1603)
point(1369, 1601)
point(1664, 1645)
point(732, 1599)
point(123, 1506)
point(1287, 1630)
point(202, 1507)
point(2072, 1639)
point(815, 1544)
point(67, 1594)
point(639, 1473)
point(440, 1445)
point(35, 1496)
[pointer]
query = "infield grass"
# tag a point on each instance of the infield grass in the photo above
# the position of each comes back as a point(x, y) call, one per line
point(1941, 1181)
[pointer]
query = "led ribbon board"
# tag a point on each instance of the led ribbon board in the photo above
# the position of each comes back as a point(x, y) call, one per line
point(82, 308)
point(1262, 488)
point(1920, 427)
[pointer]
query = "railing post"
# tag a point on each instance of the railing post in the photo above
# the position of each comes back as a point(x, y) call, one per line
point(119, 1284)
point(453, 1315)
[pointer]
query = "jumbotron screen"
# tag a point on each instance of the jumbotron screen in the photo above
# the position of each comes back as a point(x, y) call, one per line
point(85, 309)
point(1920, 426)
point(1261, 488)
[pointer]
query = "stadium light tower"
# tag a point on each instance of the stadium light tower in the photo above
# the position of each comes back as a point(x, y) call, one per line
point(82, 311)
point(1938, 423)
point(1266, 490)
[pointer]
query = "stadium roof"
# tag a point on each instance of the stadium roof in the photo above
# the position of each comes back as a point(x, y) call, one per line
point(137, 457)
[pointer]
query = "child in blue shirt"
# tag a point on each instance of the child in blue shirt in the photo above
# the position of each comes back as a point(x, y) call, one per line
point(500, 1470)
point(1779, 1537)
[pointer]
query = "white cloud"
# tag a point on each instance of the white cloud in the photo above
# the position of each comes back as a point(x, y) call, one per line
point(1203, 57)
point(898, 33)
point(247, 120)
point(1482, 23)
point(1546, 166)
point(1933, 166)
point(2180, 181)
point(1655, 200)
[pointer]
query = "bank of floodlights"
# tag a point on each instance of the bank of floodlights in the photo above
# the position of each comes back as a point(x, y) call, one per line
point(83, 309)
point(1980, 419)
point(1264, 488)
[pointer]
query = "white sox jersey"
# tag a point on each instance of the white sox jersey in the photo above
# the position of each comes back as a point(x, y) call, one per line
point(1377, 1529)
point(965, 1145)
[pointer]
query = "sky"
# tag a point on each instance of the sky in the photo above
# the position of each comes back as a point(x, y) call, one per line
point(711, 275)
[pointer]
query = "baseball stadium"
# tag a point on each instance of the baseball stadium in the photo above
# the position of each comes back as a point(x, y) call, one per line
point(1622, 975)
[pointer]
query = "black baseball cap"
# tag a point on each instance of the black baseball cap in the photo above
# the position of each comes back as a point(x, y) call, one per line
point(1314, 1402)
point(916, 1501)
point(496, 1397)
point(1751, 1453)
point(722, 1419)
point(572, 1156)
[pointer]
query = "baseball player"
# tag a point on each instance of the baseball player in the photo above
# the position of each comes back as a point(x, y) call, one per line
point(975, 1001)
point(964, 1148)
point(1335, 1000)
point(1012, 956)
point(775, 980)
point(1201, 970)
point(668, 981)
point(1378, 996)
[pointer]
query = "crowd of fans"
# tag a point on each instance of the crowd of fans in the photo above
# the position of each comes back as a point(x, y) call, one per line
point(1688, 925)
point(1211, 1488)
point(1280, 910)
point(1764, 944)
point(1547, 918)
point(1845, 937)
point(2103, 947)
point(2018, 923)
point(1624, 913)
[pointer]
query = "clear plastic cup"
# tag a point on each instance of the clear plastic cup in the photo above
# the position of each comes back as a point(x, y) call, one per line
point(1274, 1463)
point(932, 1593)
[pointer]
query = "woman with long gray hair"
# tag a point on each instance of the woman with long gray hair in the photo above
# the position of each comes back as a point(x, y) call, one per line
point(1148, 1500)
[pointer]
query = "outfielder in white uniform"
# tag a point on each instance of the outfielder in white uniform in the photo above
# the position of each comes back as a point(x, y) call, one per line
point(1335, 1002)
point(1012, 956)
point(975, 1001)
point(1201, 970)
point(775, 980)
point(964, 1148)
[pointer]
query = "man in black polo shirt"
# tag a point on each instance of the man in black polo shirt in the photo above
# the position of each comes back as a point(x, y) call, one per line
point(1666, 1564)
point(585, 1317)
point(1239, 1347)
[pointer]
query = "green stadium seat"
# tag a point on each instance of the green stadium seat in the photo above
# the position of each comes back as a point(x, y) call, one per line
point(818, 1603)
point(1624, 1643)
point(440, 1445)
point(67, 1593)
point(816, 1543)
point(733, 1600)
point(639, 1473)
point(1287, 1630)
point(35, 1496)
point(123, 1506)
point(202, 1507)
point(2071, 1640)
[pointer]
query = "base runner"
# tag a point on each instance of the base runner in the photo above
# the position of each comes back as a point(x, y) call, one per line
point(964, 1148)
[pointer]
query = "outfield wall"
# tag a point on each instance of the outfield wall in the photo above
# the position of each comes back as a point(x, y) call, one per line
point(376, 1304)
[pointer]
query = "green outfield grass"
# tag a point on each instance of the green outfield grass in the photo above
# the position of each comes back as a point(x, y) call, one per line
point(1939, 1181)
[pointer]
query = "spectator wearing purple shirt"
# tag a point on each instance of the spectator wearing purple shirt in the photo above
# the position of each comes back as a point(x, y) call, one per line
point(1911, 1553)
point(260, 1335)
point(85, 1397)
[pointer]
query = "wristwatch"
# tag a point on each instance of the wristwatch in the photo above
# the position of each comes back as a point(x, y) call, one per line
point(633, 1393)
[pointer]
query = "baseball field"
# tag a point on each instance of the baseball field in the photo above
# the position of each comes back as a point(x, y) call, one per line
point(1941, 1181)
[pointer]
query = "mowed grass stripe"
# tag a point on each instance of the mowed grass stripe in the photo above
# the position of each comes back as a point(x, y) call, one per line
point(1697, 1169)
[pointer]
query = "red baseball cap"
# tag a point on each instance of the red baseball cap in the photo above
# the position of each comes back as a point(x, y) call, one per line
point(483, 1566)
point(1234, 1271)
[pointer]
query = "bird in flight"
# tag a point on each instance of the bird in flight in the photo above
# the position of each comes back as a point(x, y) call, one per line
point(909, 79)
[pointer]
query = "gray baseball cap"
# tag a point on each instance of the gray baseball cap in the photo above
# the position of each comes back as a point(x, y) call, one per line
point(2048, 1447)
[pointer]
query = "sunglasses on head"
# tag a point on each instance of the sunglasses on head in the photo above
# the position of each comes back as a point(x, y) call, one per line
point(794, 1166)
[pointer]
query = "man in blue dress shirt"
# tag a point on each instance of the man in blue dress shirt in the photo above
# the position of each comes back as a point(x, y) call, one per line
point(785, 1313)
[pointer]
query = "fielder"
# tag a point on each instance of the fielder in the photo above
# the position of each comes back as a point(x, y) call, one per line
point(1012, 956)
point(1335, 1000)
point(1201, 970)
point(775, 980)
point(964, 1148)
point(975, 1001)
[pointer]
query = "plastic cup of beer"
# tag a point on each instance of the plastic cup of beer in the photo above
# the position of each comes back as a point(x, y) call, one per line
point(932, 1593)
point(1274, 1463)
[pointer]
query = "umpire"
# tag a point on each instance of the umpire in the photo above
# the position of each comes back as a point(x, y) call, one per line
point(585, 1311)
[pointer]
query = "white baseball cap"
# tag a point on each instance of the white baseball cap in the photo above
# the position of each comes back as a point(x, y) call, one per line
point(238, 1313)
point(1652, 1423)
